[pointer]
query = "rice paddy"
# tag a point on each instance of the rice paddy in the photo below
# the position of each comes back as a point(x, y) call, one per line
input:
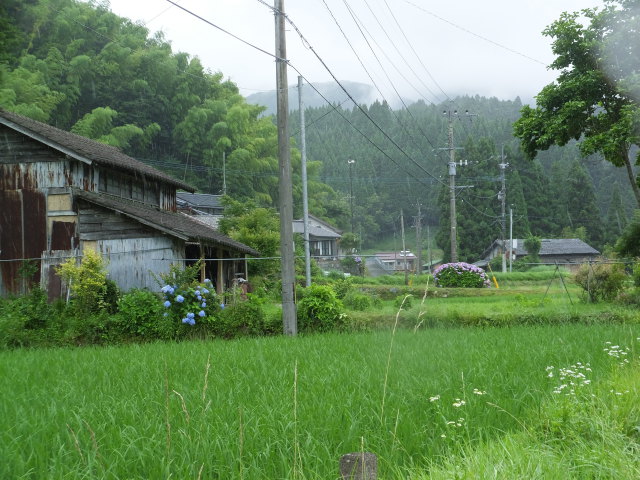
point(287, 408)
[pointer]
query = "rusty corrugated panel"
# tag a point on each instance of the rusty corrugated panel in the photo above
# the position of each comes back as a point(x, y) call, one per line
point(63, 235)
point(34, 176)
point(34, 212)
point(10, 239)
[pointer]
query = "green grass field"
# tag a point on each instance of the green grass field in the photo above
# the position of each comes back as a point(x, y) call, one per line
point(277, 408)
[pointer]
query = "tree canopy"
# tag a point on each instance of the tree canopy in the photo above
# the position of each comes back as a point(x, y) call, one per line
point(596, 96)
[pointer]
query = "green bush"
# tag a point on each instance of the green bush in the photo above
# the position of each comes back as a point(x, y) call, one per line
point(243, 318)
point(342, 286)
point(404, 301)
point(111, 296)
point(460, 275)
point(320, 310)
point(601, 281)
point(87, 282)
point(357, 301)
point(12, 328)
point(139, 314)
point(636, 275)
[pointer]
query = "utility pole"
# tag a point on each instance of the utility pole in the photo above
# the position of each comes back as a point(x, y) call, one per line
point(510, 237)
point(452, 194)
point(305, 199)
point(404, 250)
point(419, 240)
point(285, 189)
point(351, 162)
point(502, 196)
point(224, 173)
point(429, 246)
point(452, 183)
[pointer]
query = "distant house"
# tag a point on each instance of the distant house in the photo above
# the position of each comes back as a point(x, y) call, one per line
point(397, 261)
point(323, 239)
point(563, 251)
point(205, 207)
point(61, 194)
point(200, 203)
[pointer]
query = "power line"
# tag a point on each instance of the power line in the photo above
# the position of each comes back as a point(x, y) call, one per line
point(455, 25)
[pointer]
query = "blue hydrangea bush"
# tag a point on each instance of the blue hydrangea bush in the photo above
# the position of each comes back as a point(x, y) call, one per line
point(191, 304)
point(460, 275)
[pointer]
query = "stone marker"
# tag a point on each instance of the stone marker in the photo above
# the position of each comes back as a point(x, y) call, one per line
point(359, 466)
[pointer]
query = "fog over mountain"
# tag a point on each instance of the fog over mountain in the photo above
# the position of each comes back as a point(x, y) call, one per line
point(318, 95)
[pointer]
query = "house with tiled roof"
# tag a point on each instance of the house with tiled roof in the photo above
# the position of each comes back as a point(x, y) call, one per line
point(61, 193)
point(324, 238)
point(568, 252)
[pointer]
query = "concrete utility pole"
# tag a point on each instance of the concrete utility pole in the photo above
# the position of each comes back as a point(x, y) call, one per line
point(502, 196)
point(510, 237)
point(404, 250)
point(224, 173)
point(452, 182)
point(285, 190)
point(452, 186)
point(419, 240)
point(350, 162)
point(305, 198)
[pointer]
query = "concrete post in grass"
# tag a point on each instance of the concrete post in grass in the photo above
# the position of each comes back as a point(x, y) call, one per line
point(359, 466)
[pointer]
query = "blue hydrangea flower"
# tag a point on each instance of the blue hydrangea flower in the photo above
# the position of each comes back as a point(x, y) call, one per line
point(167, 304)
point(201, 313)
point(205, 291)
point(204, 304)
point(191, 315)
point(222, 305)
point(179, 299)
point(191, 321)
point(185, 320)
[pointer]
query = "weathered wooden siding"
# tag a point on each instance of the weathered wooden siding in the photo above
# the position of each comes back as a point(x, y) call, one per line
point(133, 262)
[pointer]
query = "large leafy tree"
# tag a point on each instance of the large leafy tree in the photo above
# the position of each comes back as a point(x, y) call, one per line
point(595, 95)
point(582, 209)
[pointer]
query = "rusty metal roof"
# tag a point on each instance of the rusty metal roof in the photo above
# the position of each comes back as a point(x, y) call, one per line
point(84, 149)
point(175, 224)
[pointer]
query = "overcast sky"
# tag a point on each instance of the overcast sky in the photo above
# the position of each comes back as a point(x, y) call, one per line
point(420, 49)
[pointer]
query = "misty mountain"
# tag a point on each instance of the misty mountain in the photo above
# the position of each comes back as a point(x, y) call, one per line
point(317, 95)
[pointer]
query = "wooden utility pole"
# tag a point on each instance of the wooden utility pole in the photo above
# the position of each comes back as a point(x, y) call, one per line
point(285, 190)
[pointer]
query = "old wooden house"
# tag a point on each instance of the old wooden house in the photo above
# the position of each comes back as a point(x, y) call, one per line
point(567, 252)
point(61, 193)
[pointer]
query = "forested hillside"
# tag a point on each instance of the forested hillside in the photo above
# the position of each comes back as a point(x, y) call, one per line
point(79, 67)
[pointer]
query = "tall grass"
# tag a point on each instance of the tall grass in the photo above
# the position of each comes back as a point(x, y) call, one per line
point(280, 408)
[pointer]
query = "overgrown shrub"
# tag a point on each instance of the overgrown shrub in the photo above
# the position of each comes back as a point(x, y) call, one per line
point(403, 301)
point(35, 308)
point(243, 318)
point(342, 286)
point(111, 296)
point(320, 310)
point(460, 275)
point(601, 281)
point(636, 275)
point(87, 282)
point(357, 301)
point(139, 314)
